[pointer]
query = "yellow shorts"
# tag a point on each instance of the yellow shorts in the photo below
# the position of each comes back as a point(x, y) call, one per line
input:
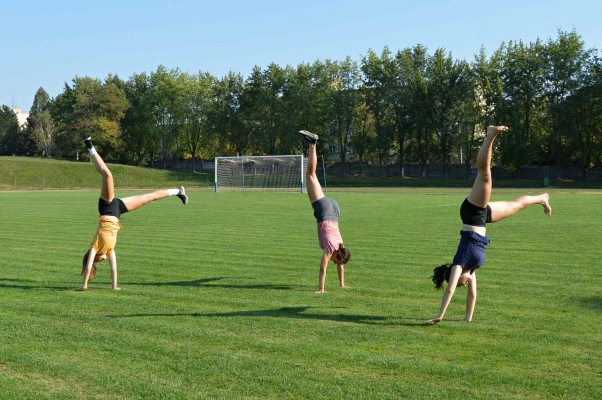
point(106, 236)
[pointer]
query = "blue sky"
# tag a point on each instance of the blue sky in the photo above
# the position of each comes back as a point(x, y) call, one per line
point(47, 43)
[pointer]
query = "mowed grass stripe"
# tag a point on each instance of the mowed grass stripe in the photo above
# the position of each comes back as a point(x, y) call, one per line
point(218, 300)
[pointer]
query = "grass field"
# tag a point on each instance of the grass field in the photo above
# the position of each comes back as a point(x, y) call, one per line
point(219, 300)
point(31, 173)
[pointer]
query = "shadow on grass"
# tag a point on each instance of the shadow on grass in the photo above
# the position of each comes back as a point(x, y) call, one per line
point(293, 312)
point(23, 286)
point(592, 302)
point(204, 283)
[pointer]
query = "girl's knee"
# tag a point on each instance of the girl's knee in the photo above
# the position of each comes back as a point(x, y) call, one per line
point(105, 172)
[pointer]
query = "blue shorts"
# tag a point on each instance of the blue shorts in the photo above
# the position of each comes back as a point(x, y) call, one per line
point(471, 250)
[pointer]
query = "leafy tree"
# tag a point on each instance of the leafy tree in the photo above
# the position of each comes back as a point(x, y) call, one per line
point(342, 103)
point(225, 116)
point(199, 96)
point(9, 131)
point(167, 98)
point(522, 106)
point(40, 124)
point(582, 117)
point(377, 81)
point(565, 61)
point(447, 85)
point(89, 108)
point(139, 136)
point(305, 101)
point(363, 134)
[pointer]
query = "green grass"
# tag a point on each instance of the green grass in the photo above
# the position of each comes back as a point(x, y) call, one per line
point(219, 300)
point(27, 173)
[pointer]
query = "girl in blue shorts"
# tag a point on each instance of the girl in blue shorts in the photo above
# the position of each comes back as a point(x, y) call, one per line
point(476, 211)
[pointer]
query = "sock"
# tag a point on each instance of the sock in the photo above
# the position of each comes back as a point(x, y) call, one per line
point(92, 150)
point(173, 192)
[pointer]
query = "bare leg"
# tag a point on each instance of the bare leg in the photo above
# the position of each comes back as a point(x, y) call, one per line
point(481, 190)
point(107, 190)
point(504, 209)
point(314, 189)
point(134, 202)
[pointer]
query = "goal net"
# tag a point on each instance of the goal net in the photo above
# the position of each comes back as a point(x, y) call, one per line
point(260, 173)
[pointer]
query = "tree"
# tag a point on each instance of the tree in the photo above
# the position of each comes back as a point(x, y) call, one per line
point(40, 123)
point(9, 131)
point(168, 104)
point(89, 108)
point(447, 85)
point(377, 81)
point(522, 107)
point(363, 134)
point(139, 136)
point(342, 103)
point(198, 103)
point(564, 66)
point(225, 116)
point(304, 96)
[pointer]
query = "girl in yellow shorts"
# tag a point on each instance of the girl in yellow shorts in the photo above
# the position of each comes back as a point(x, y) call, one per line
point(110, 209)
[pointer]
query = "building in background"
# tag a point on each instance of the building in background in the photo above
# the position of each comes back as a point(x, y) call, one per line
point(21, 116)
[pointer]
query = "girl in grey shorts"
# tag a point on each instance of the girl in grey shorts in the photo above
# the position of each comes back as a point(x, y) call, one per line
point(327, 213)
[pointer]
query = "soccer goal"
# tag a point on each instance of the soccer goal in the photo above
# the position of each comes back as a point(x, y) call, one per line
point(260, 173)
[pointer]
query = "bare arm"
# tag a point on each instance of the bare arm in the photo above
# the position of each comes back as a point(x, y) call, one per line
point(113, 265)
point(471, 297)
point(341, 272)
point(91, 255)
point(449, 292)
point(322, 276)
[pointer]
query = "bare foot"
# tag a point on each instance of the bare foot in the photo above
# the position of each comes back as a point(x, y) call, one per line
point(81, 289)
point(495, 130)
point(433, 321)
point(345, 287)
point(321, 291)
point(117, 288)
point(546, 205)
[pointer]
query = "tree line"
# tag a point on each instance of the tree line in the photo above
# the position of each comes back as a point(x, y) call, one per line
point(406, 107)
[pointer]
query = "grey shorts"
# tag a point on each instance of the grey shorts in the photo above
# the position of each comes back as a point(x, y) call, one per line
point(326, 209)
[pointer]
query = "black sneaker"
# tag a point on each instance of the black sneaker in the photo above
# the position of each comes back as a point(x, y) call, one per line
point(311, 137)
point(182, 195)
point(88, 142)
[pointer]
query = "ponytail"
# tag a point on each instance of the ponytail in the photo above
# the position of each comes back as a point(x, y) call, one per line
point(440, 274)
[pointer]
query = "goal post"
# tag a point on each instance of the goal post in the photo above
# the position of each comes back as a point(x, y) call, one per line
point(284, 173)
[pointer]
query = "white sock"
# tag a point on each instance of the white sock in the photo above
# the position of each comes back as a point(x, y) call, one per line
point(92, 151)
point(173, 192)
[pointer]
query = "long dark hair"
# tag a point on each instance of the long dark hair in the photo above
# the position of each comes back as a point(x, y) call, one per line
point(344, 254)
point(440, 274)
point(85, 264)
point(85, 261)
